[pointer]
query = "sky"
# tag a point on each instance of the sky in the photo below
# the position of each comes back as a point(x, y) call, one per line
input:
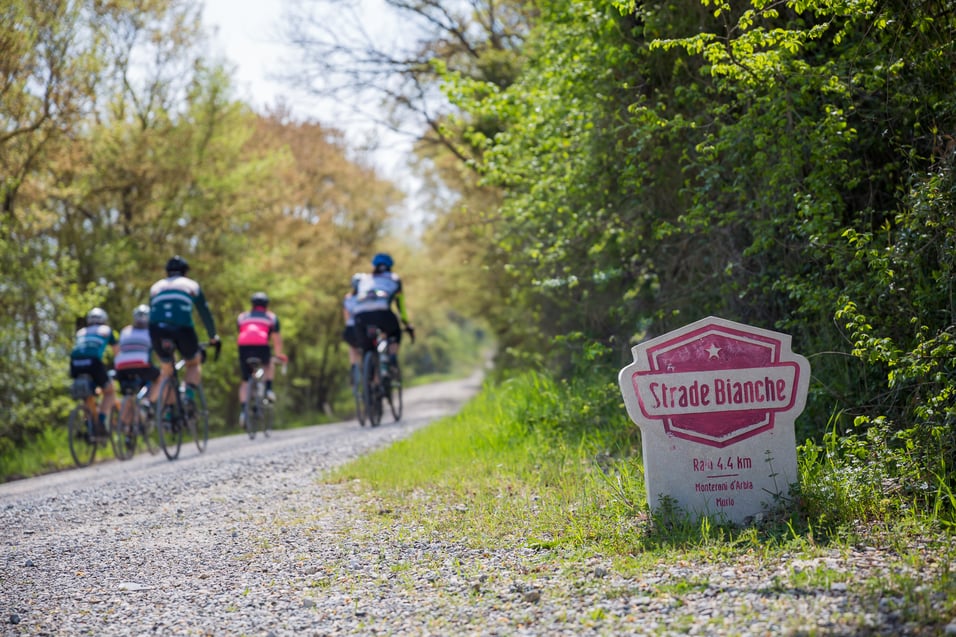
point(246, 33)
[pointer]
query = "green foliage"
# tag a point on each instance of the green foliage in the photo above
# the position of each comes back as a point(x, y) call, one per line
point(785, 164)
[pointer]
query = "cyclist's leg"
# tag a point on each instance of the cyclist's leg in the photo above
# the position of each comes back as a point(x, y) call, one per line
point(164, 344)
point(188, 345)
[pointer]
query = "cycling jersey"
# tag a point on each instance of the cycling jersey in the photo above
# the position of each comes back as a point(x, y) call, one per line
point(377, 290)
point(171, 302)
point(91, 342)
point(135, 348)
point(256, 326)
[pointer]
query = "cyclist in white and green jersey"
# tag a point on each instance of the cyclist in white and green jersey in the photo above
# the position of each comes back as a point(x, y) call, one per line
point(171, 327)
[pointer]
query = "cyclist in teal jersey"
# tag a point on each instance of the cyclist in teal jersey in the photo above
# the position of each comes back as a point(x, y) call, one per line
point(171, 303)
point(87, 357)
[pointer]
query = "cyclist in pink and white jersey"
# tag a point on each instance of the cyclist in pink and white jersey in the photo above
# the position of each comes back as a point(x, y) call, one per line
point(258, 328)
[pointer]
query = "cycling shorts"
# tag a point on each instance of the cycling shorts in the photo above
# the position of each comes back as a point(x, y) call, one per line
point(350, 336)
point(262, 352)
point(135, 377)
point(385, 320)
point(92, 366)
point(166, 339)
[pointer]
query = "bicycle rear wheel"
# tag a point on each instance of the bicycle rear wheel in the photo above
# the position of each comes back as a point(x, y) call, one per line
point(393, 391)
point(252, 409)
point(355, 377)
point(82, 440)
point(268, 418)
point(146, 428)
point(197, 415)
point(371, 390)
point(127, 424)
point(169, 421)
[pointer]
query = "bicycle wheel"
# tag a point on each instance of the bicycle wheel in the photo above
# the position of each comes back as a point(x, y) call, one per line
point(146, 429)
point(268, 416)
point(169, 422)
point(358, 393)
point(393, 390)
point(128, 414)
point(197, 417)
point(82, 442)
point(252, 408)
point(371, 390)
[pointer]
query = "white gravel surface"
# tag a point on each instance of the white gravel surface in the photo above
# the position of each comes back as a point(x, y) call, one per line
point(245, 540)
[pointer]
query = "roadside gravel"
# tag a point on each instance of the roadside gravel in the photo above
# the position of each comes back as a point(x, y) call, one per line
point(246, 540)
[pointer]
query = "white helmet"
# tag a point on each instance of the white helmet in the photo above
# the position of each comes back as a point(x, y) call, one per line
point(141, 316)
point(97, 316)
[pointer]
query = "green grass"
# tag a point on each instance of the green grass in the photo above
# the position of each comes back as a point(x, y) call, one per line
point(554, 465)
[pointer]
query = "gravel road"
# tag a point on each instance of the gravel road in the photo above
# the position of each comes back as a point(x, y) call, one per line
point(245, 540)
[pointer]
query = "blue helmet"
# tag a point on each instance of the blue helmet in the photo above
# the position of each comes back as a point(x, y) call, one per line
point(382, 260)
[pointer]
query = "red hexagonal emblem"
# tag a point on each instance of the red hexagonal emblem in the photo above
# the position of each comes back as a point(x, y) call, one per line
point(716, 382)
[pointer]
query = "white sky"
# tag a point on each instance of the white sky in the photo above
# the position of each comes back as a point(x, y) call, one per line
point(246, 32)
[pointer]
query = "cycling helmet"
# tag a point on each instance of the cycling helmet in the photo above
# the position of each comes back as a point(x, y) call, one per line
point(177, 265)
point(382, 260)
point(97, 316)
point(141, 316)
point(260, 299)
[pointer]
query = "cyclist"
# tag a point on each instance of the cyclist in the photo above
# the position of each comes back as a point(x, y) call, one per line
point(376, 292)
point(257, 328)
point(87, 358)
point(349, 335)
point(134, 361)
point(171, 327)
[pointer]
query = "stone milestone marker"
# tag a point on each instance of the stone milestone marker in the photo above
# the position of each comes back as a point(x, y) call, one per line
point(716, 403)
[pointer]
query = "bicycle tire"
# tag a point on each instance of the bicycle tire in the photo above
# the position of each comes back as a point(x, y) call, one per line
point(79, 428)
point(146, 429)
point(373, 397)
point(114, 434)
point(170, 430)
point(268, 416)
point(394, 391)
point(127, 430)
point(252, 408)
point(358, 394)
point(198, 421)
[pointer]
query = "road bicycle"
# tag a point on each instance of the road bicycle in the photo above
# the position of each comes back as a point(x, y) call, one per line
point(134, 421)
point(177, 412)
point(259, 412)
point(84, 431)
point(381, 378)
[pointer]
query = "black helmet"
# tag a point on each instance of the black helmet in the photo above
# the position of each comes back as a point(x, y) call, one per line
point(141, 316)
point(261, 299)
point(178, 265)
point(97, 316)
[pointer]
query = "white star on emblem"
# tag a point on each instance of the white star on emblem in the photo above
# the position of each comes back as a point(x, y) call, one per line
point(713, 350)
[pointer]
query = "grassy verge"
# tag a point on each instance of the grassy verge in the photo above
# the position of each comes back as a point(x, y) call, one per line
point(537, 463)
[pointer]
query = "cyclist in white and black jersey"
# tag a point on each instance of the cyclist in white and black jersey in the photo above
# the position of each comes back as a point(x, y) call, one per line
point(376, 293)
point(171, 303)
